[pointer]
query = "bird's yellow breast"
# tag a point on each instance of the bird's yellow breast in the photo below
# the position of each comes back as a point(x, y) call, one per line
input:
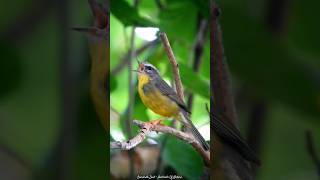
point(154, 100)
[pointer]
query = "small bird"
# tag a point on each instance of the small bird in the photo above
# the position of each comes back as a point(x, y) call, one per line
point(158, 96)
point(99, 47)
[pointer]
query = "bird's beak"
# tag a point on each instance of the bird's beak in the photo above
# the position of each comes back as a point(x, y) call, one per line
point(140, 67)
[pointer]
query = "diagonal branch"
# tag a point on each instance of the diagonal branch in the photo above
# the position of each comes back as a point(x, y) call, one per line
point(197, 50)
point(174, 64)
point(146, 128)
point(222, 104)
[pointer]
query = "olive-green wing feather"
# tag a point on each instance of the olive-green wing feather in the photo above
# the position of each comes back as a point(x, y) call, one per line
point(165, 89)
point(232, 136)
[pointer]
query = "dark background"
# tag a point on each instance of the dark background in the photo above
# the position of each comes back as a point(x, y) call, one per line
point(48, 126)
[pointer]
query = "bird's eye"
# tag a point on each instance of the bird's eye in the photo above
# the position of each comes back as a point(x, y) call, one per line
point(148, 68)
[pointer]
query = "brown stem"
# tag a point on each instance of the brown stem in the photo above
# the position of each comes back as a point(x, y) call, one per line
point(175, 66)
point(197, 50)
point(66, 139)
point(146, 128)
point(222, 104)
point(131, 96)
point(220, 78)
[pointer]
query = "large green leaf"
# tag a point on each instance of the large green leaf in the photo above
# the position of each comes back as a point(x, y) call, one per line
point(194, 82)
point(128, 15)
point(183, 158)
point(178, 20)
point(113, 83)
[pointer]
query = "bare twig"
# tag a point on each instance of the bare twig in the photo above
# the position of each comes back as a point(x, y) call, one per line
point(197, 50)
point(220, 79)
point(131, 99)
point(146, 128)
point(100, 13)
point(131, 95)
point(312, 151)
point(66, 139)
point(221, 100)
point(174, 64)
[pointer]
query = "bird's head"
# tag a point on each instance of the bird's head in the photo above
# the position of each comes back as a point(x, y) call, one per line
point(147, 69)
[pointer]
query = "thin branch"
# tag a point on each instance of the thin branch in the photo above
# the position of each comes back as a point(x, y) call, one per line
point(312, 151)
point(220, 77)
point(131, 95)
point(221, 100)
point(174, 64)
point(100, 12)
point(146, 128)
point(65, 151)
point(197, 50)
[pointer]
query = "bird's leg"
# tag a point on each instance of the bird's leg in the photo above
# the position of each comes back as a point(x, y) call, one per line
point(157, 121)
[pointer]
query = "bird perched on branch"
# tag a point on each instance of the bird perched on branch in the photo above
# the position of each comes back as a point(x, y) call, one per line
point(158, 96)
point(98, 37)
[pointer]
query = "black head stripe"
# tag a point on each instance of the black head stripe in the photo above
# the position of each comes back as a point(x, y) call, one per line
point(150, 68)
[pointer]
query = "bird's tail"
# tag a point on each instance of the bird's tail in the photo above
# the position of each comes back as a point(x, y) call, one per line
point(231, 135)
point(188, 123)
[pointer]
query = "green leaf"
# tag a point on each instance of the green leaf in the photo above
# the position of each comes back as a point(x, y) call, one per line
point(194, 82)
point(178, 20)
point(11, 69)
point(113, 83)
point(128, 15)
point(183, 158)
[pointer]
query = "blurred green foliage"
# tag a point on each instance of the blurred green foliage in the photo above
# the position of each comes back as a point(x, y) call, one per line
point(280, 68)
point(30, 94)
point(183, 158)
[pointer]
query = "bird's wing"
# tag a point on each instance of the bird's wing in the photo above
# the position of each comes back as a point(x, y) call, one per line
point(232, 135)
point(165, 89)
